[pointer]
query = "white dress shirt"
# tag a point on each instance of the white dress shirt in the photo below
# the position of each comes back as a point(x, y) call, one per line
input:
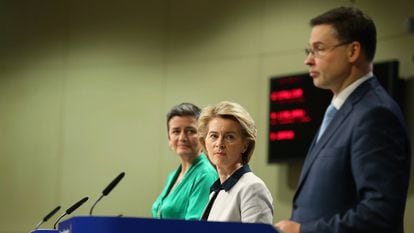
point(339, 100)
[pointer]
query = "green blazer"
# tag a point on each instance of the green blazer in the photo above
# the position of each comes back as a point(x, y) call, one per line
point(190, 196)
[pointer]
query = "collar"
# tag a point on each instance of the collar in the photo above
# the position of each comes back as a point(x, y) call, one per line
point(340, 99)
point(231, 181)
point(200, 157)
point(198, 160)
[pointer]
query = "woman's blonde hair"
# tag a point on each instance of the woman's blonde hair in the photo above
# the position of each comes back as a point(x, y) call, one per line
point(234, 111)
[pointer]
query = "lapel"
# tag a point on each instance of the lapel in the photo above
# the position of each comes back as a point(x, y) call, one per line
point(336, 122)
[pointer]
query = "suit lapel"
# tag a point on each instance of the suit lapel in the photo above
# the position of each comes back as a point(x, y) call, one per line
point(316, 147)
point(337, 121)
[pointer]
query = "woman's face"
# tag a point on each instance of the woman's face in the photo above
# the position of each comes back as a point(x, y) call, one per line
point(182, 135)
point(225, 143)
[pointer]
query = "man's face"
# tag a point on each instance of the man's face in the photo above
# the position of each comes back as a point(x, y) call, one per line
point(328, 61)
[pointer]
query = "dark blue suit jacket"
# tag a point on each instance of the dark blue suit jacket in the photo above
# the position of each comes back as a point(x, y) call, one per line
point(355, 178)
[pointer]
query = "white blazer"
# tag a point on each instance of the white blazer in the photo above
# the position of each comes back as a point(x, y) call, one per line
point(248, 200)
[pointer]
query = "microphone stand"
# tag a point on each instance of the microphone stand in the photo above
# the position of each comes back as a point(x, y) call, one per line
point(94, 204)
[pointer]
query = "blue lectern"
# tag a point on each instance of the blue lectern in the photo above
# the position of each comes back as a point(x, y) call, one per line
point(104, 224)
point(44, 231)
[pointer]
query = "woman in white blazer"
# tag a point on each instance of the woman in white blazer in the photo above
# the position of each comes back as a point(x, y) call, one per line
point(228, 134)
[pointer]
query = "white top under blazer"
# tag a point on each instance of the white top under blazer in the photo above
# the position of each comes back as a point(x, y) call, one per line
point(243, 197)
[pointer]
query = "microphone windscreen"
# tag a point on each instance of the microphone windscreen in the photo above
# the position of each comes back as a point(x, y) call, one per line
point(109, 188)
point(53, 212)
point(76, 205)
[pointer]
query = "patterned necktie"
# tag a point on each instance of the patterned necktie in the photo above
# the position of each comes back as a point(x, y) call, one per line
point(327, 118)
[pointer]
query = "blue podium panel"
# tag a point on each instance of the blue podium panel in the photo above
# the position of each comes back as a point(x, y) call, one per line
point(44, 231)
point(103, 224)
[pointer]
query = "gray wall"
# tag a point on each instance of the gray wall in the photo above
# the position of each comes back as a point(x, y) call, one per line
point(84, 87)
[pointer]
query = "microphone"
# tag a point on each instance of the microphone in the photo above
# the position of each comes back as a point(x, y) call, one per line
point(53, 212)
point(71, 209)
point(108, 189)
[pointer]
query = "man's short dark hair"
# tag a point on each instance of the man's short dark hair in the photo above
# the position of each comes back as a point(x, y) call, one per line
point(351, 24)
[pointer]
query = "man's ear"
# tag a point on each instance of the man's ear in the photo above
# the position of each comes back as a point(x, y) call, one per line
point(354, 51)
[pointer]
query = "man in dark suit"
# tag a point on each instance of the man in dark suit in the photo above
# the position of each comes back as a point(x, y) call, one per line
point(356, 174)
